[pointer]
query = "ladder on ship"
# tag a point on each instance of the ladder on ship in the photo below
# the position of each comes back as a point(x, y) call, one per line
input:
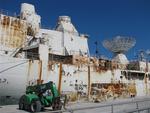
point(14, 53)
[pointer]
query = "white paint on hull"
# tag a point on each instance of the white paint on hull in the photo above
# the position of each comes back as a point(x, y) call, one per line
point(13, 76)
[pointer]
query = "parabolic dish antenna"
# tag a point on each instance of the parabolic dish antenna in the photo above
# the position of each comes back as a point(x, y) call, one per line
point(119, 46)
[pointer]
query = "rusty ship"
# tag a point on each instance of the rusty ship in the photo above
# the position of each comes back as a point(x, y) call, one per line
point(30, 54)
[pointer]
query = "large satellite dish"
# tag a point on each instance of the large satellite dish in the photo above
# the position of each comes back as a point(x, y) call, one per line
point(119, 45)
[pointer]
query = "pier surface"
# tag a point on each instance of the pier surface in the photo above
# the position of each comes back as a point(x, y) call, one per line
point(78, 107)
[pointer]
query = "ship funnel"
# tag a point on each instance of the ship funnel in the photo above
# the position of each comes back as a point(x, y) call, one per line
point(64, 25)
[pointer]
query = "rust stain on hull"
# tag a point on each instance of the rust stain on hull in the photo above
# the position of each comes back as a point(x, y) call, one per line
point(29, 71)
point(13, 31)
point(60, 78)
point(104, 91)
point(40, 81)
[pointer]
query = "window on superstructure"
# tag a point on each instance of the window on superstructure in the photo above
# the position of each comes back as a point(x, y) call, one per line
point(71, 38)
point(6, 52)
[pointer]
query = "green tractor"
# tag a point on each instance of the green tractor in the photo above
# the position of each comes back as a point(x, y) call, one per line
point(40, 96)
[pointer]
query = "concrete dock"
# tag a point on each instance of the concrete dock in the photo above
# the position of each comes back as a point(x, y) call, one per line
point(90, 107)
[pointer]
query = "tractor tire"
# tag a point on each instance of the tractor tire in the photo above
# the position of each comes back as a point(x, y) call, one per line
point(57, 105)
point(35, 106)
point(21, 103)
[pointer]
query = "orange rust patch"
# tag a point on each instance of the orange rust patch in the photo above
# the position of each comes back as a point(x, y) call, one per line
point(14, 31)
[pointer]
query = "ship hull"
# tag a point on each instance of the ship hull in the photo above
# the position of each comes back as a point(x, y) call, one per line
point(16, 74)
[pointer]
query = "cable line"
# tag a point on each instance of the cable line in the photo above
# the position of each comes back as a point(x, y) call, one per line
point(12, 67)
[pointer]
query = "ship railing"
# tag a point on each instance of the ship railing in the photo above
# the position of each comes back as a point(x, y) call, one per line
point(46, 27)
point(72, 52)
point(8, 13)
point(111, 107)
point(32, 55)
point(55, 51)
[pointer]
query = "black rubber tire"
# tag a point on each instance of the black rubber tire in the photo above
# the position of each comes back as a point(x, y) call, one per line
point(42, 108)
point(35, 106)
point(57, 105)
point(21, 103)
point(21, 106)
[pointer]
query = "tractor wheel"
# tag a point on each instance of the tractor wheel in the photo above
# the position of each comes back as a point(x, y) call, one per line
point(57, 105)
point(35, 106)
point(21, 103)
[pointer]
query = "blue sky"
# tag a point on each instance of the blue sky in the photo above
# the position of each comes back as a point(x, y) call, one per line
point(101, 19)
